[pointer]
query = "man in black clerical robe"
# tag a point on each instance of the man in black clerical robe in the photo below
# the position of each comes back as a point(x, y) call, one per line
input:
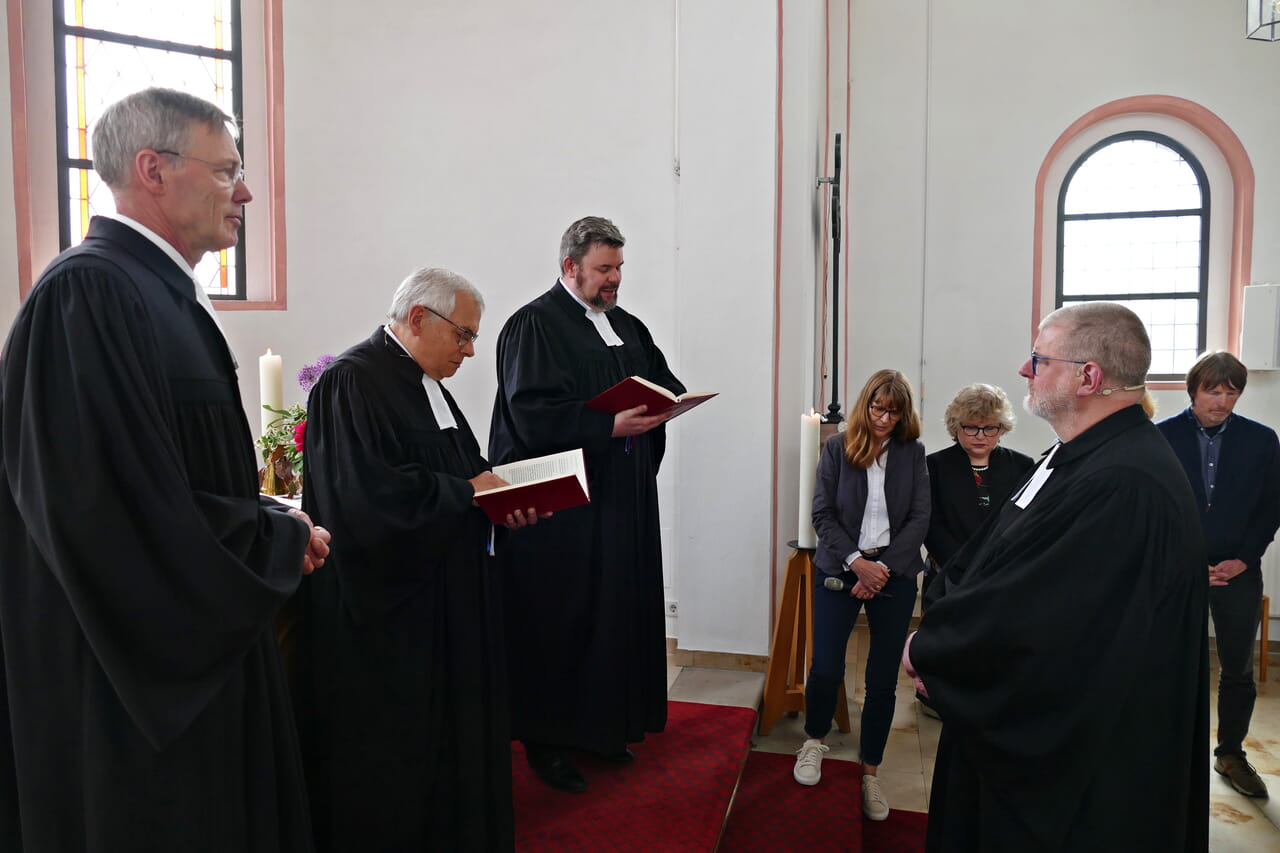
point(585, 625)
point(400, 692)
point(1067, 652)
point(144, 707)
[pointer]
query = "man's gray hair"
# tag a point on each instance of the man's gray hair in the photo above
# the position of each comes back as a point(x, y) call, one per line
point(159, 119)
point(1108, 334)
point(585, 233)
point(432, 288)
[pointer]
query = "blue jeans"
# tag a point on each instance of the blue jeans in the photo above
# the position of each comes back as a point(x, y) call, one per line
point(1236, 609)
point(834, 615)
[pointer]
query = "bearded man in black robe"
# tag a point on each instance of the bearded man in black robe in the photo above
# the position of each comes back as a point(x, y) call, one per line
point(401, 696)
point(144, 707)
point(1067, 652)
point(585, 627)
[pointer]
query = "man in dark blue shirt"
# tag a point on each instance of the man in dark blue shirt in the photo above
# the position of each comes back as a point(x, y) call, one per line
point(1233, 464)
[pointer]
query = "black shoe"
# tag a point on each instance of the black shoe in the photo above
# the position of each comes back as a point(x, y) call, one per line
point(626, 756)
point(555, 769)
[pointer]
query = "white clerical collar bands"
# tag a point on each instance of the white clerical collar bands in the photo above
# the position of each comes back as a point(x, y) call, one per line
point(1038, 478)
point(604, 328)
point(597, 318)
point(435, 394)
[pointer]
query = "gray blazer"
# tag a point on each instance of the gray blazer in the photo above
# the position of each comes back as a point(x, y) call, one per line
point(840, 496)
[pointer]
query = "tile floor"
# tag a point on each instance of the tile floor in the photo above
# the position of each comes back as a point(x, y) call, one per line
point(1237, 824)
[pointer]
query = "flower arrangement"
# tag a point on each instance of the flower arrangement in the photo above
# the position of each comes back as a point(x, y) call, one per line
point(282, 443)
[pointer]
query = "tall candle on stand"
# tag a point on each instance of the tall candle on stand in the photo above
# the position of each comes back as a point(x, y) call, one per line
point(270, 368)
point(806, 537)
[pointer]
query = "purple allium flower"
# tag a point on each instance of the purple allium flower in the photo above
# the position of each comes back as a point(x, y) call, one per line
point(308, 375)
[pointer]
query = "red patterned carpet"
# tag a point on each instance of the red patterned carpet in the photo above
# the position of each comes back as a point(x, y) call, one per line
point(771, 812)
point(902, 832)
point(672, 799)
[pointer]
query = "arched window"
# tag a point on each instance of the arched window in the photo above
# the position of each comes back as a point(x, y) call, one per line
point(1133, 228)
point(1108, 162)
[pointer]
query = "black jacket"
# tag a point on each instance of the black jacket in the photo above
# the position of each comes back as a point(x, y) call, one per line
point(1246, 509)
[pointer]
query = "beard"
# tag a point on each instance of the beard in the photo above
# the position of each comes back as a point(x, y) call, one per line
point(1048, 405)
point(598, 301)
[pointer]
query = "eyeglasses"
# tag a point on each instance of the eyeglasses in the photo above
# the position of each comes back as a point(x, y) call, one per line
point(972, 431)
point(878, 412)
point(1036, 359)
point(465, 335)
point(232, 174)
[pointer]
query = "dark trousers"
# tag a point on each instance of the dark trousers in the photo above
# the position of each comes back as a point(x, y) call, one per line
point(834, 615)
point(1236, 609)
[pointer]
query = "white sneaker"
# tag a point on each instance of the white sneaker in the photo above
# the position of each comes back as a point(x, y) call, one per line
point(809, 762)
point(874, 805)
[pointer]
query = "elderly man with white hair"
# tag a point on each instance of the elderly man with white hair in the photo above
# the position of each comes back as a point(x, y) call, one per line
point(401, 686)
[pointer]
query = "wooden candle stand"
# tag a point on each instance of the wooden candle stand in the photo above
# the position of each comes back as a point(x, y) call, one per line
point(791, 652)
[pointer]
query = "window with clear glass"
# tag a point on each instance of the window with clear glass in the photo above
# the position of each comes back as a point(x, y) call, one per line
point(1133, 228)
point(105, 49)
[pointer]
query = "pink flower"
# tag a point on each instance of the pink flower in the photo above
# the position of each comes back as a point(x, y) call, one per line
point(299, 432)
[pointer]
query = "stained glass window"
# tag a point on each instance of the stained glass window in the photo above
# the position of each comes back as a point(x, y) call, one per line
point(105, 49)
point(1133, 228)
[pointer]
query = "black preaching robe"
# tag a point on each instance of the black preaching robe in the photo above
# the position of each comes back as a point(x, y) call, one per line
point(402, 707)
point(1068, 658)
point(585, 628)
point(144, 706)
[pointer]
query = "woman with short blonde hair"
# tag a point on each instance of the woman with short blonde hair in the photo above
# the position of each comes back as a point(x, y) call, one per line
point(973, 474)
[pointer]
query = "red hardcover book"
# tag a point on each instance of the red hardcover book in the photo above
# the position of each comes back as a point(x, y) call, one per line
point(637, 391)
point(547, 483)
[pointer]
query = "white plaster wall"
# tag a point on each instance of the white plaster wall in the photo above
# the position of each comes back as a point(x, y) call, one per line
point(467, 135)
point(885, 221)
point(725, 228)
point(802, 211)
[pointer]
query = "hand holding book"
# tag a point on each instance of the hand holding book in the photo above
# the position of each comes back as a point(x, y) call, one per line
point(515, 518)
point(549, 483)
point(636, 391)
point(636, 421)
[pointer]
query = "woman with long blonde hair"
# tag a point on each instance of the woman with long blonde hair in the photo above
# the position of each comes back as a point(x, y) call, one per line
point(871, 512)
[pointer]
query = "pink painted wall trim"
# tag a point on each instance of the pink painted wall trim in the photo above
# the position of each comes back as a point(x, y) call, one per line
point(274, 45)
point(777, 321)
point(18, 119)
point(1242, 181)
point(273, 39)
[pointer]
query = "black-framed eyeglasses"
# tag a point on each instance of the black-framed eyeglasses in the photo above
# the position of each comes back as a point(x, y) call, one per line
point(465, 335)
point(233, 174)
point(972, 431)
point(878, 412)
point(1035, 359)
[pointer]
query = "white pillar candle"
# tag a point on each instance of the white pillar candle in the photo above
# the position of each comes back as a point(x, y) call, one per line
point(270, 390)
point(809, 447)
